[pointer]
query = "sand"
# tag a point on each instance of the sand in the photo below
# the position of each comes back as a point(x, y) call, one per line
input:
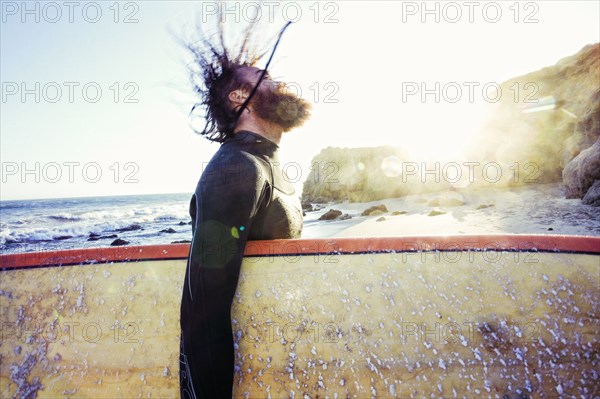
point(534, 209)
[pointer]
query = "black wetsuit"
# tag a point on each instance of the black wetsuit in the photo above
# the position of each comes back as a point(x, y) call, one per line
point(241, 196)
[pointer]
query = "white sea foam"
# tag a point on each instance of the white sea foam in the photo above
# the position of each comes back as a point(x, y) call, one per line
point(45, 224)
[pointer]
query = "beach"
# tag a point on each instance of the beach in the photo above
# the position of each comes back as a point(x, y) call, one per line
point(44, 225)
point(533, 209)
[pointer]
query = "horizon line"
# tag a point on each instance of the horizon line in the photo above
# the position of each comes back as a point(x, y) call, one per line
point(91, 196)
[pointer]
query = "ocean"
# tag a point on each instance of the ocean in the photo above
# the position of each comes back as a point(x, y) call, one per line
point(66, 223)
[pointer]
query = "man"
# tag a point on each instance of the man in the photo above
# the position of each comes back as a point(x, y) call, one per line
point(241, 196)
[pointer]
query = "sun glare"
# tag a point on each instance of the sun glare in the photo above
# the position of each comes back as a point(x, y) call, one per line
point(441, 133)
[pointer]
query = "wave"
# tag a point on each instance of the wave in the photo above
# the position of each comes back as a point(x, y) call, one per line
point(166, 218)
point(6, 205)
point(164, 213)
point(64, 217)
point(52, 222)
point(81, 231)
point(40, 235)
point(4, 234)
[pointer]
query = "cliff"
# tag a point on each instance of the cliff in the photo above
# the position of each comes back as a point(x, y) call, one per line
point(549, 117)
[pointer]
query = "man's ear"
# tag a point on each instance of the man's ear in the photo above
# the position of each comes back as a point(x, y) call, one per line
point(237, 97)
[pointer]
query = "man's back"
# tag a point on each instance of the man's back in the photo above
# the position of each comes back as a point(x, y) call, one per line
point(241, 195)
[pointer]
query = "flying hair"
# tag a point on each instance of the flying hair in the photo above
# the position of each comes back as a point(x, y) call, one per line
point(213, 75)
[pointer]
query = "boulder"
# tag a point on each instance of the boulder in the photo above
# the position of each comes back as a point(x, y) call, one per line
point(581, 173)
point(587, 130)
point(65, 237)
point(592, 197)
point(118, 242)
point(131, 227)
point(307, 206)
point(96, 237)
point(435, 213)
point(374, 210)
point(330, 214)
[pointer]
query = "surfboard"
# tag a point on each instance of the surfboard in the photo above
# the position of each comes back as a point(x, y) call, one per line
point(509, 316)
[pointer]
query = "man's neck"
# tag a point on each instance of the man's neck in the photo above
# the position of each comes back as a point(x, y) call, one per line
point(262, 128)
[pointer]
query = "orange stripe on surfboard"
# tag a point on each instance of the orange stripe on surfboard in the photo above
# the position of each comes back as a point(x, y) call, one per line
point(544, 243)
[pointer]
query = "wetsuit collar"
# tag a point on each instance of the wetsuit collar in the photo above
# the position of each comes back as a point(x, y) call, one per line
point(248, 136)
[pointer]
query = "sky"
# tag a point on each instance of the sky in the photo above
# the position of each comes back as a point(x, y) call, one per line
point(96, 98)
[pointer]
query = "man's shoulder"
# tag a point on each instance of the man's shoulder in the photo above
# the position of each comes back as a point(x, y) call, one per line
point(237, 156)
point(235, 162)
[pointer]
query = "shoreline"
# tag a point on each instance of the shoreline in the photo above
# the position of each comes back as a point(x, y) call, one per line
point(534, 209)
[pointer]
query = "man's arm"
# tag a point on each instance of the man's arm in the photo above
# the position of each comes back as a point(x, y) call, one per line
point(228, 197)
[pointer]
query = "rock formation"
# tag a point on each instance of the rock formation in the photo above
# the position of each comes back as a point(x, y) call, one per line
point(558, 138)
point(353, 174)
